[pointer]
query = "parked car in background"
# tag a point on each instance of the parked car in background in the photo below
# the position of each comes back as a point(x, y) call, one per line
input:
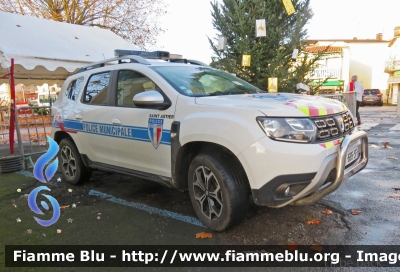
point(372, 97)
point(33, 103)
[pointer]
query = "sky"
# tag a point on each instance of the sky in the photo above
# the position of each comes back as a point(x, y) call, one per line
point(188, 23)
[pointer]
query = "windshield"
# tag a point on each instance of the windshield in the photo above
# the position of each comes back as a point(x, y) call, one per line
point(201, 81)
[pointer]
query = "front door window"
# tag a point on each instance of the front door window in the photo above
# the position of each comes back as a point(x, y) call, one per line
point(130, 83)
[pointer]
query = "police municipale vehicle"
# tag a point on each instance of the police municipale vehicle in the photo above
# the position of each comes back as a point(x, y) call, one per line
point(183, 124)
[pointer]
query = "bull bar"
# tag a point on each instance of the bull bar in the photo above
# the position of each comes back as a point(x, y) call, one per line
point(341, 172)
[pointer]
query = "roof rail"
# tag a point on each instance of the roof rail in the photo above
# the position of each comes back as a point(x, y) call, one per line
point(189, 61)
point(135, 59)
point(196, 62)
point(145, 54)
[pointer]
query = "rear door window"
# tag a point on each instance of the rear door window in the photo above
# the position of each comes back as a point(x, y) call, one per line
point(73, 88)
point(96, 91)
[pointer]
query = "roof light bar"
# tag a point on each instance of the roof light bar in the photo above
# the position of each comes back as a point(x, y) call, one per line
point(144, 54)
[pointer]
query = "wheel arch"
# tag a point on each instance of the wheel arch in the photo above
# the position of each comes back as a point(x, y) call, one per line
point(190, 150)
point(83, 172)
point(59, 135)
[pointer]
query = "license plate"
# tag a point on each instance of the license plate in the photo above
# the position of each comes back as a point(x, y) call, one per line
point(353, 154)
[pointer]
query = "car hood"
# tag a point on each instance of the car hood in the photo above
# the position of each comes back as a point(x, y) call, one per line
point(277, 104)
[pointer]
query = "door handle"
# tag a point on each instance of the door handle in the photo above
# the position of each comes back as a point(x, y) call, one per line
point(78, 117)
point(116, 121)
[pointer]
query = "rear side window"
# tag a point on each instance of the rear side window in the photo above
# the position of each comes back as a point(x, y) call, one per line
point(371, 92)
point(73, 88)
point(96, 91)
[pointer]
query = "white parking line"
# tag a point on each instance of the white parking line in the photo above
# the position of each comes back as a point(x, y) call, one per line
point(140, 206)
point(366, 126)
point(26, 173)
point(396, 127)
point(146, 208)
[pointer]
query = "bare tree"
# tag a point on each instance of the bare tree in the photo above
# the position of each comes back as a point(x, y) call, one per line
point(134, 20)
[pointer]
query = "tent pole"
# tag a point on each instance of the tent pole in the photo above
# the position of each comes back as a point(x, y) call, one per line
point(12, 109)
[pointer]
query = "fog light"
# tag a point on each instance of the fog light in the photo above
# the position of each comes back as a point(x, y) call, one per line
point(287, 191)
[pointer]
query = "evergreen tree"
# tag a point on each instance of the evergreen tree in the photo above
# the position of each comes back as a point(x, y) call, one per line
point(271, 56)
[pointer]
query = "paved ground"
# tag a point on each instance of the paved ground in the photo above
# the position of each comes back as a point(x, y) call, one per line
point(369, 191)
point(168, 218)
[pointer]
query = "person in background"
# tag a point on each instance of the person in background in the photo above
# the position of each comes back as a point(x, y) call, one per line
point(356, 86)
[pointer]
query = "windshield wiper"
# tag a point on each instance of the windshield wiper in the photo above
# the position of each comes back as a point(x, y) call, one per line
point(231, 93)
point(217, 93)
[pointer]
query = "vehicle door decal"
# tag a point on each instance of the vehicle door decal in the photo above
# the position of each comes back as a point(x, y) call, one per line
point(155, 129)
point(58, 123)
point(159, 136)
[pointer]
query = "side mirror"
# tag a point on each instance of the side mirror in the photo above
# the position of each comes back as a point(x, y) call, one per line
point(152, 100)
point(148, 99)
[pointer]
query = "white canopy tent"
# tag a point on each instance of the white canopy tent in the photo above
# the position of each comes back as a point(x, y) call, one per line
point(46, 51)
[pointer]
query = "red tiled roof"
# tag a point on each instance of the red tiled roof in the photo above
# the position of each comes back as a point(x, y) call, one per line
point(348, 41)
point(323, 49)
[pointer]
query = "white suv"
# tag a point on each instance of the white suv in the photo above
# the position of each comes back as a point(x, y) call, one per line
point(186, 125)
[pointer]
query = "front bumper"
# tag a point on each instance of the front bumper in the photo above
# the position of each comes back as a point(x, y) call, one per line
point(319, 175)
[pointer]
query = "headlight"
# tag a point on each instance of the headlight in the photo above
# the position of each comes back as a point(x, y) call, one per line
point(289, 129)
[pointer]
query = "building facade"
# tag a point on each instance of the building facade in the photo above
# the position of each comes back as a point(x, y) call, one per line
point(362, 57)
point(392, 67)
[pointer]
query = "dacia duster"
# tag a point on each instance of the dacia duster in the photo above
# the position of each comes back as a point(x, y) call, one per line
point(186, 125)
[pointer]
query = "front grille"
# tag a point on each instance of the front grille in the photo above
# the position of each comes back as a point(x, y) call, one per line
point(333, 127)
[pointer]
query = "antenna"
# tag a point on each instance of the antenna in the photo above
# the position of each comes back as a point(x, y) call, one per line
point(103, 56)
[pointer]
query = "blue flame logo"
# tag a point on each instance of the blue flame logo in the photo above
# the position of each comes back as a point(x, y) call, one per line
point(48, 174)
point(32, 204)
point(43, 160)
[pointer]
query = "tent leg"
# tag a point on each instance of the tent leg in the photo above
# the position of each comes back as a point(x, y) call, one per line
point(12, 108)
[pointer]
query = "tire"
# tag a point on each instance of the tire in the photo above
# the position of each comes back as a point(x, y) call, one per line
point(227, 205)
point(380, 104)
point(70, 163)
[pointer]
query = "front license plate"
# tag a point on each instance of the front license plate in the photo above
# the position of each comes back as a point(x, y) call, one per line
point(353, 154)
